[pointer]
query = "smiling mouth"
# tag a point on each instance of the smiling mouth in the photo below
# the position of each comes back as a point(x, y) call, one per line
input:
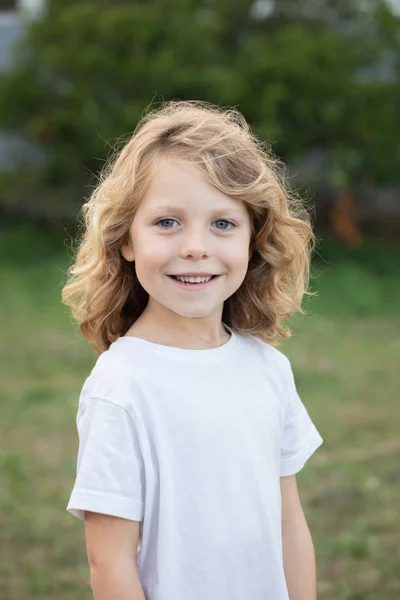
point(188, 283)
point(177, 279)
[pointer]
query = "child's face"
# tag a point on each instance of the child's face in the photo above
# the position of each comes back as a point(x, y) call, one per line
point(183, 225)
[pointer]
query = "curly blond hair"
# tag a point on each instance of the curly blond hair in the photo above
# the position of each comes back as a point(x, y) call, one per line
point(102, 289)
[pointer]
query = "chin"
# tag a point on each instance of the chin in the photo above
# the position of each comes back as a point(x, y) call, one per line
point(194, 314)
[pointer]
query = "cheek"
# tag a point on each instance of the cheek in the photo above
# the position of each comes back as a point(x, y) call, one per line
point(236, 255)
point(153, 252)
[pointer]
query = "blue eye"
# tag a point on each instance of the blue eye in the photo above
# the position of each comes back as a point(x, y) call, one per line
point(162, 221)
point(225, 221)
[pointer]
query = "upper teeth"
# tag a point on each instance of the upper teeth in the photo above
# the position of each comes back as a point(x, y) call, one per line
point(194, 279)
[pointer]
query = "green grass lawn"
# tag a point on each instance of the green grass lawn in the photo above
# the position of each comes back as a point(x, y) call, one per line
point(345, 355)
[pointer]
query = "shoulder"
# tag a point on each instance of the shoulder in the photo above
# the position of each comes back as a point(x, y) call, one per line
point(115, 377)
point(270, 355)
point(266, 363)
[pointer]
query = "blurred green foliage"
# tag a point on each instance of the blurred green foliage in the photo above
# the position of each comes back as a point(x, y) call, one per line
point(305, 75)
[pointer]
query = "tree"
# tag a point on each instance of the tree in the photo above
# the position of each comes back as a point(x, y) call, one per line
point(317, 74)
point(328, 74)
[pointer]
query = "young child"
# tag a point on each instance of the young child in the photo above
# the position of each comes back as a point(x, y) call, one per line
point(190, 426)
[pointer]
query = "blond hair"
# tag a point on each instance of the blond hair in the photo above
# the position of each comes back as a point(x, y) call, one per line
point(102, 289)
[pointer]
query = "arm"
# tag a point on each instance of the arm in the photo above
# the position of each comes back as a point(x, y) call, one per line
point(298, 550)
point(111, 544)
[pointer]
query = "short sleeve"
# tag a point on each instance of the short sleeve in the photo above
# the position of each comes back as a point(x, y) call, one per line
point(300, 437)
point(110, 468)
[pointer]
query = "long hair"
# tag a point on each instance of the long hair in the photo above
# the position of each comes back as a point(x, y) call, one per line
point(102, 289)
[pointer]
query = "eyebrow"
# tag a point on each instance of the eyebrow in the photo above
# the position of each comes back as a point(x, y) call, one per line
point(168, 208)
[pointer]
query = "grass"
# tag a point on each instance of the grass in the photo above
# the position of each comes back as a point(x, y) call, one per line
point(345, 356)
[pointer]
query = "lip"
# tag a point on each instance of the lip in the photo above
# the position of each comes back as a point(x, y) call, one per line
point(193, 274)
point(193, 287)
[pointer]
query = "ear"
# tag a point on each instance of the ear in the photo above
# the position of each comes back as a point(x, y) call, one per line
point(127, 251)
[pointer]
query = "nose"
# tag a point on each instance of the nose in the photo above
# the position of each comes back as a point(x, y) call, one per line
point(194, 244)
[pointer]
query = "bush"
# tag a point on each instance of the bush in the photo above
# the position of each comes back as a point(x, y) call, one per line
point(88, 69)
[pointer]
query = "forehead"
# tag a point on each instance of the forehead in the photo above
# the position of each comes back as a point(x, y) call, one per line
point(176, 184)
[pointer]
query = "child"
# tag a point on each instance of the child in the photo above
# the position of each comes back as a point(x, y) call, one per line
point(190, 426)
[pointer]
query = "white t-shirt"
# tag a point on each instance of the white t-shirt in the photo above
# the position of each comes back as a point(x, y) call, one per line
point(193, 443)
